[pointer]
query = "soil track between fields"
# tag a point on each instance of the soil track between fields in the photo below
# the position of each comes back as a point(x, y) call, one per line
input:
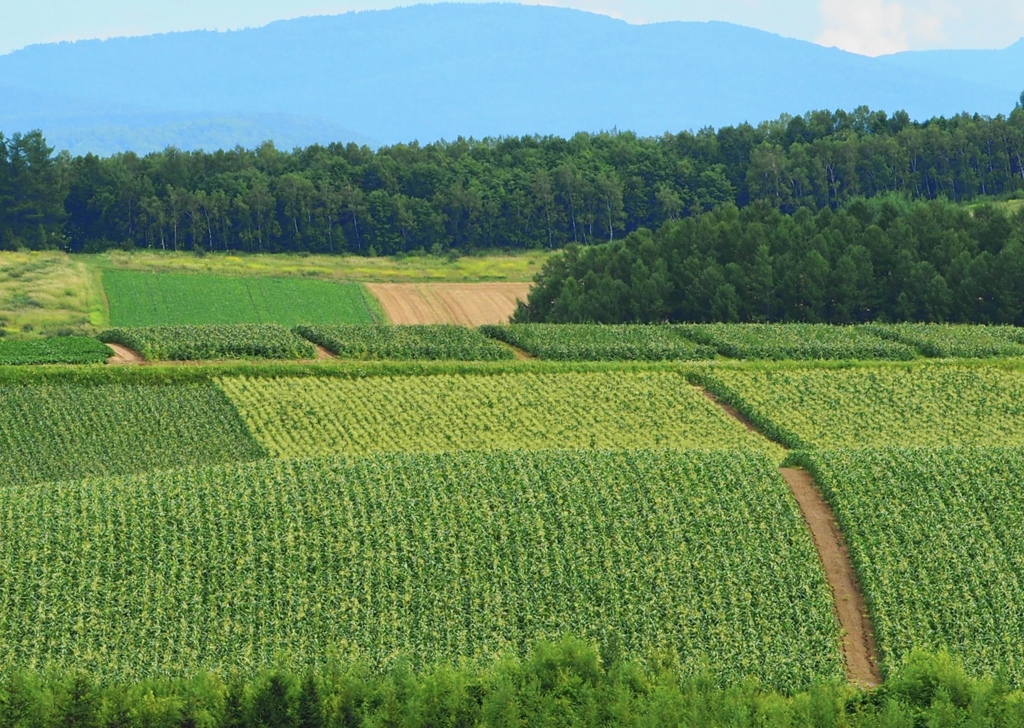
point(468, 304)
point(858, 637)
point(859, 651)
point(122, 355)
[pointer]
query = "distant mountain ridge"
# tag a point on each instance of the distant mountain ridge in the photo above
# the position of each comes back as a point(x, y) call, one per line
point(429, 72)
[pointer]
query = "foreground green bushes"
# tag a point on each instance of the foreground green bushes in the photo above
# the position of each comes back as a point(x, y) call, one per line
point(566, 684)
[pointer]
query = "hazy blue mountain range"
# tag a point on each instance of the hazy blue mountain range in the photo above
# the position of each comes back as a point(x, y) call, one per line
point(442, 71)
point(1002, 69)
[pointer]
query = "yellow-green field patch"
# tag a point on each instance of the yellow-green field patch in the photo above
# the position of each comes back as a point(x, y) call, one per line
point(916, 406)
point(305, 417)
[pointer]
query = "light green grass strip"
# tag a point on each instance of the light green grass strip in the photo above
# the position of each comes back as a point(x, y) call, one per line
point(163, 299)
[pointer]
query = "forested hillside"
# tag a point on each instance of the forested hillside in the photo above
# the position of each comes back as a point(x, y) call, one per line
point(514, 192)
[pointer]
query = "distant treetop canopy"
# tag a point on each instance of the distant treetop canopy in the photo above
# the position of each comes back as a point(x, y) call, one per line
point(883, 259)
point(831, 216)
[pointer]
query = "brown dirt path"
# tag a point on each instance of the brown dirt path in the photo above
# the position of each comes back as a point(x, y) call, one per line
point(732, 412)
point(468, 304)
point(122, 355)
point(322, 353)
point(859, 651)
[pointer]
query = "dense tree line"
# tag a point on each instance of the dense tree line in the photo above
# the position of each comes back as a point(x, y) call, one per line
point(516, 192)
point(569, 683)
point(880, 259)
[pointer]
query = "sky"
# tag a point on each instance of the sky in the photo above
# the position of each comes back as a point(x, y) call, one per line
point(870, 27)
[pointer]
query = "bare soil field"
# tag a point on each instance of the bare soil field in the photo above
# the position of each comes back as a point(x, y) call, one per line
point(468, 304)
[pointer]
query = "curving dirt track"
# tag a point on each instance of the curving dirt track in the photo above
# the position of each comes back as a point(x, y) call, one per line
point(122, 355)
point(859, 651)
point(858, 639)
point(468, 304)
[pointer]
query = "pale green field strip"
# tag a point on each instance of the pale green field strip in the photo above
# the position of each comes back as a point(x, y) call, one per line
point(68, 431)
point(922, 406)
point(308, 417)
point(937, 536)
point(157, 299)
point(429, 557)
point(498, 266)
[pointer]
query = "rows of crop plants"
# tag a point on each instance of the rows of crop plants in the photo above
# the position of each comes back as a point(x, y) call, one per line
point(937, 536)
point(63, 431)
point(918, 406)
point(438, 342)
point(293, 417)
point(428, 557)
point(796, 341)
point(164, 299)
point(54, 350)
point(188, 343)
point(599, 342)
point(956, 340)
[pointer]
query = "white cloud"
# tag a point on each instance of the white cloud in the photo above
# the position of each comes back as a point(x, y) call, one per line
point(869, 27)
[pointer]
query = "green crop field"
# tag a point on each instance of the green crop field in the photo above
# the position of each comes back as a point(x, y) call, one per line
point(55, 350)
point(155, 299)
point(235, 515)
point(63, 431)
point(922, 406)
point(435, 342)
point(937, 536)
point(796, 341)
point(599, 342)
point(307, 417)
point(431, 557)
point(956, 340)
point(192, 343)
